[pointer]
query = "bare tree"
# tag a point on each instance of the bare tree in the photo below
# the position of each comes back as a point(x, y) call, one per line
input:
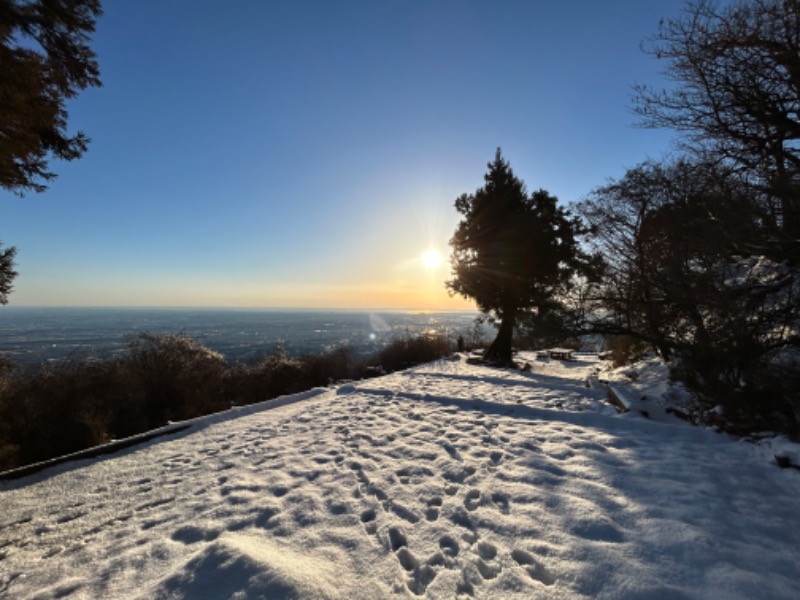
point(736, 97)
point(684, 273)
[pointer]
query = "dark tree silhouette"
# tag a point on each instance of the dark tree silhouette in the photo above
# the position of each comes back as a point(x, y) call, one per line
point(44, 60)
point(513, 253)
point(736, 96)
point(7, 272)
point(685, 273)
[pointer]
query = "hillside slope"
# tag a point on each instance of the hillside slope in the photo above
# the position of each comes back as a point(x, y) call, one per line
point(445, 480)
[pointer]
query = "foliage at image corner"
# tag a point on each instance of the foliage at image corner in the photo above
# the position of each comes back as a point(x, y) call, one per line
point(45, 60)
point(703, 249)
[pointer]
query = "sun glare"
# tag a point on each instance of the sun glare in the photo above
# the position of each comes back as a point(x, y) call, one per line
point(431, 259)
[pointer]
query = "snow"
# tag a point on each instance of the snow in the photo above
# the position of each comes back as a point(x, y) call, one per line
point(645, 387)
point(446, 480)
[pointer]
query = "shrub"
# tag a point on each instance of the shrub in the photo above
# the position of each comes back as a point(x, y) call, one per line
point(278, 374)
point(328, 367)
point(761, 398)
point(173, 377)
point(407, 351)
point(475, 336)
point(79, 403)
point(58, 410)
point(274, 376)
point(625, 349)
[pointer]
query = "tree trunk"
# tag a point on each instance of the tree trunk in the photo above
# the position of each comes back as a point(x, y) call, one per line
point(500, 350)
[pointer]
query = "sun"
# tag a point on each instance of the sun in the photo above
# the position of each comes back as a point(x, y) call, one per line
point(431, 259)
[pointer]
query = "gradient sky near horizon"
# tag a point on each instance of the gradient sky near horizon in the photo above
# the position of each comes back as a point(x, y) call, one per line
point(306, 154)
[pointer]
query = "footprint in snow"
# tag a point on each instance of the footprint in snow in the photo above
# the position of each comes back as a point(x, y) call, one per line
point(472, 500)
point(191, 535)
point(421, 579)
point(486, 570)
point(407, 560)
point(459, 475)
point(403, 512)
point(368, 521)
point(451, 450)
point(432, 510)
point(598, 531)
point(337, 508)
point(397, 539)
point(502, 500)
point(449, 545)
point(533, 567)
point(461, 517)
point(279, 491)
point(486, 550)
point(70, 517)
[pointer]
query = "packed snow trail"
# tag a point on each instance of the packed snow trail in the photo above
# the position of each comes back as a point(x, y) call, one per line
point(447, 480)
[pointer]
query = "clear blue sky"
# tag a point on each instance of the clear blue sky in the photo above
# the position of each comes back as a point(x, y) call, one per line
point(306, 154)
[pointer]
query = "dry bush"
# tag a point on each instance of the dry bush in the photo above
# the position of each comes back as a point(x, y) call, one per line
point(331, 366)
point(80, 403)
point(58, 410)
point(278, 375)
point(404, 352)
point(625, 349)
point(9, 450)
point(173, 377)
point(274, 376)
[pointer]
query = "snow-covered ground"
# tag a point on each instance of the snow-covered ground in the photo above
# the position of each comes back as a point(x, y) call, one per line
point(447, 480)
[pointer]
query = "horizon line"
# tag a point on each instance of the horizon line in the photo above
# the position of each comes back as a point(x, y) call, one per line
point(243, 308)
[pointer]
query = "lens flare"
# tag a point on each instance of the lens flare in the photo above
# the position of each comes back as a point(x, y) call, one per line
point(431, 259)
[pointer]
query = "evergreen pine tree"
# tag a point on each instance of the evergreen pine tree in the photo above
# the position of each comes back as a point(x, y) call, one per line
point(44, 60)
point(513, 252)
